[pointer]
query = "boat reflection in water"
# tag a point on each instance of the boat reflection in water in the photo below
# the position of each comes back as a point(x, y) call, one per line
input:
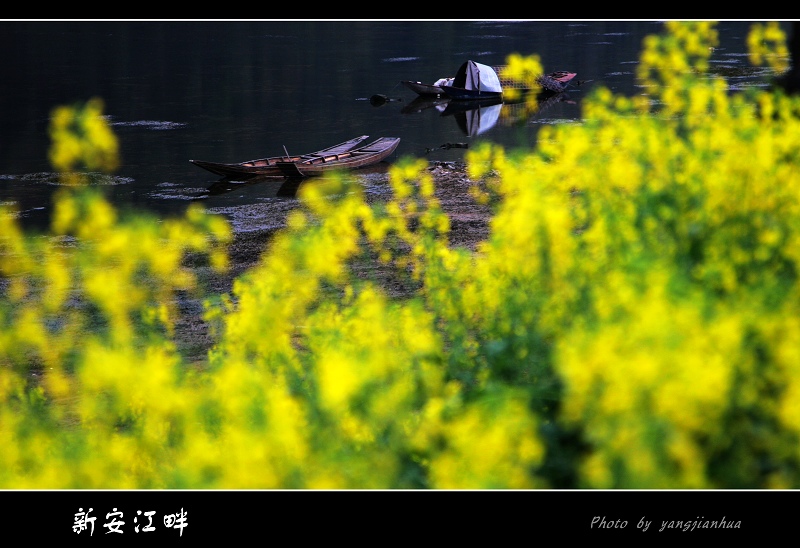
point(425, 102)
point(280, 187)
point(479, 116)
point(474, 119)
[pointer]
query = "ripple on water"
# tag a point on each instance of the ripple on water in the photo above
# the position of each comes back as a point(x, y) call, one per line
point(400, 59)
point(55, 179)
point(156, 125)
point(174, 191)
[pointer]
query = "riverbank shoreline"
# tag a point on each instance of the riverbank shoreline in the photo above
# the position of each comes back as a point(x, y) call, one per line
point(469, 225)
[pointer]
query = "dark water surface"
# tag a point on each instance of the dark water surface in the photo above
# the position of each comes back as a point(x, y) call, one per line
point(237, 90)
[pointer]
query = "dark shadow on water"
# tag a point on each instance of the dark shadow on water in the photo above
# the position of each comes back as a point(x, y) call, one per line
point(284, 187)
point(425, 102)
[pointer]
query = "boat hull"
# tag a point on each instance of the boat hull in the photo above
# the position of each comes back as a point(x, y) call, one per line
point(265, 167)
point(244, 170)
point(463, 94)
point(423, 89)
point(348, 155)
point(371, 154)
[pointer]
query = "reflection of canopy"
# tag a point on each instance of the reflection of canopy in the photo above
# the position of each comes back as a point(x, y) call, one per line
point(478, 120)
point(475, 117)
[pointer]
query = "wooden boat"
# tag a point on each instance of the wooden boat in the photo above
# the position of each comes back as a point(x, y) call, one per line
point(472, 76)
point(423, 89)
point(316, 164)
point(557, 81)
point(426, 90)
point(270, 166)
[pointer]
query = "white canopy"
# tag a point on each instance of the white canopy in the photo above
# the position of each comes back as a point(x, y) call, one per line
point(477, 77)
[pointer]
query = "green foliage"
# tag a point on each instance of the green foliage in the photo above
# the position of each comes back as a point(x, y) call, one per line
point(631, 321)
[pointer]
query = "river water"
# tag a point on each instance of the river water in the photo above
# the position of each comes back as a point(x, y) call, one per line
point(236, 90)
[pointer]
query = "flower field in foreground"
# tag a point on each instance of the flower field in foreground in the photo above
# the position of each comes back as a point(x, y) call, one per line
point(632, 320)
